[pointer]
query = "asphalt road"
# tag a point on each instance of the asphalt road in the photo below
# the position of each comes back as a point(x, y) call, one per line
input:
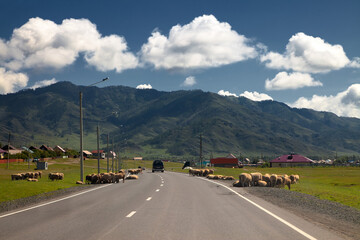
point(159, 206)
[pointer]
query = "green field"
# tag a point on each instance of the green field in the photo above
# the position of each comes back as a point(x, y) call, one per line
point(339, 184)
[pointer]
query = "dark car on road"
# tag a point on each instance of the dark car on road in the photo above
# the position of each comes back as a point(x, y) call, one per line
point(158, 165)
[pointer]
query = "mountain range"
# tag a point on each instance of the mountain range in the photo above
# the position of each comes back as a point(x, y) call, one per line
point(151, 122)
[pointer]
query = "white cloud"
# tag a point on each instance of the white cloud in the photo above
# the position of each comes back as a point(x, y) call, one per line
point(355, 63)
point(11, 82)
point(255, 96)
point(307, 54)
point(295, 80)
point(111, 53)
point(189, 81)
point(226, 94)
point(42, 43)
point(144, 86)
point(43, 83)
point(346, 103)
point(203, 43)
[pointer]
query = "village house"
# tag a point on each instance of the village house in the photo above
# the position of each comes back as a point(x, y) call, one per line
point(11, 149)
point(228, 161)
point(59, 149)
point(87, 153)
point(46, 148)
point(101, 152)
point(292, 160)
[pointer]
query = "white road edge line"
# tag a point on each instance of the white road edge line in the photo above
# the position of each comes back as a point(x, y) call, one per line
point(149, 198)
point(48, 203)
point(267, 211)
point(131, 214)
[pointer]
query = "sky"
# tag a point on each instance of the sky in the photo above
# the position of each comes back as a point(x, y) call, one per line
point(302, 53)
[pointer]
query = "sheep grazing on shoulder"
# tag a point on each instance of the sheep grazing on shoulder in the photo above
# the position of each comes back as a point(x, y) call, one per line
point(286, 181)
point(273, 178)
point(119, 176)
point(56, 176)
point(262, 183)
point(16, 177)
point(228, 178)
point(294, 178)
point(211, 176)
point(32, 180)
point(256, 177)
point(279, 181)
point(266, 178)
point(236, 184)
point(245, 180)
point(132, 177)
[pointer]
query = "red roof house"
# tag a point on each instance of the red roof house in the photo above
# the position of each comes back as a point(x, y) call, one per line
point(291, 161)
point(230, 161)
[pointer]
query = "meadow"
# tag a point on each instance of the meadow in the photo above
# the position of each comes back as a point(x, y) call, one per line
point(339, 184)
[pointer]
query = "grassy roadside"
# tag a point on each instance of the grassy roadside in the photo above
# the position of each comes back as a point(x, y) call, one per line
point(339, 184)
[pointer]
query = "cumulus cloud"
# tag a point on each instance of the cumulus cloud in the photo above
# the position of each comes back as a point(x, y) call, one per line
point(295, 80)
point(144, 86)
point(226, 94)
point(42, 43)
point(11, 82)
point(355, 63)
point(189, 81)
point(346, 103)
point(203, 43)
point(43, 83)
point(307, 54)
point(255, 96)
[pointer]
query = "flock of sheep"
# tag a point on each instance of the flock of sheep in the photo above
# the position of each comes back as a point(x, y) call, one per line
point(250, 179)
point(266, 180)
point(113, 177)
point(56, 176)
point(91, 178)
point(30, 176)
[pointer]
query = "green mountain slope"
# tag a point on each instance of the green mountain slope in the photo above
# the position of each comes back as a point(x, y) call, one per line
point(172, 121)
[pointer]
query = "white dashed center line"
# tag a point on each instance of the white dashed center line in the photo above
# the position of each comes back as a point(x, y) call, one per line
point(148, 199)
point(131, 214)
point(161, 185)
point(157, 190)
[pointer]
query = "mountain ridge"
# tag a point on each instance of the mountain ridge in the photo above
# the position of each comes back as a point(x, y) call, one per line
point(172, 122)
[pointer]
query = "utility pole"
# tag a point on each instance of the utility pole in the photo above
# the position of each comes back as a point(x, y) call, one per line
point(8, 160)
point(81, 142)
point(107, 167)
point(201, 157)
point(98, 148)
point(112, 155)
point(81, 132)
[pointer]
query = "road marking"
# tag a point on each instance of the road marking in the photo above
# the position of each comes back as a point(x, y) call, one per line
point(161, 185)
point(48, 203)
point(267, 211)
point(131, 214)
point(148, 199)
point(157, 190)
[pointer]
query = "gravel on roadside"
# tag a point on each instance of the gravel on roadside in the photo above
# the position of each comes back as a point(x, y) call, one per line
point(334, 216)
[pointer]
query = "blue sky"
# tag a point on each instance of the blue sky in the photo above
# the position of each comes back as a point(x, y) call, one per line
point(303, 53)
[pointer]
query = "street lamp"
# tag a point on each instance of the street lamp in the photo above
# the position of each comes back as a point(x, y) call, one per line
point(81, 133)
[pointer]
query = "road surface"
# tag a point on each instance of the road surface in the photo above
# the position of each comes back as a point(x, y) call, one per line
point(159, 206)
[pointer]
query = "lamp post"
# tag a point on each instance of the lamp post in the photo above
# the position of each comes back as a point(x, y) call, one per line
point(81, 133)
